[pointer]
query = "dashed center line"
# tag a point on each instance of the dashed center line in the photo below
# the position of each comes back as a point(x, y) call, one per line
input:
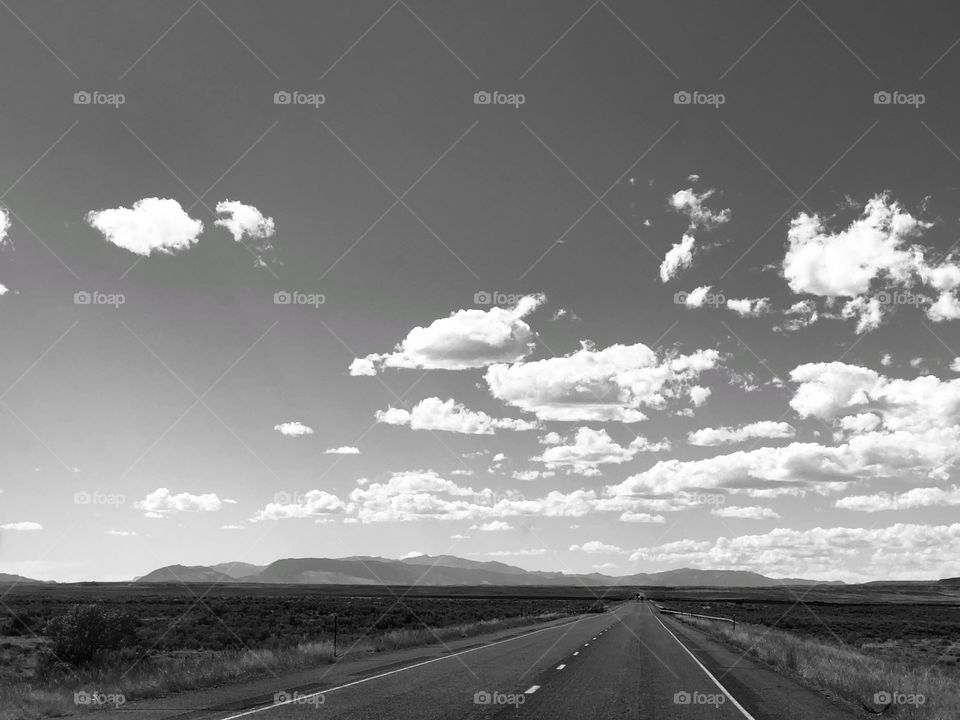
point(561, 666)
point(577, 652)
point(532, 689)
point(586, 644)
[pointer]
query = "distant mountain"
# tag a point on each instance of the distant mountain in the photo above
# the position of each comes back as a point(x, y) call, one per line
point(443, 570)
point(7, 579)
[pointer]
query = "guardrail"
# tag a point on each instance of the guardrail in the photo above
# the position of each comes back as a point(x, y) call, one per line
point(732, 620)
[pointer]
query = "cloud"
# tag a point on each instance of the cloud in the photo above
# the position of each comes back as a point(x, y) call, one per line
point(636, 517)
point(161, 501)
point(232, 527)
point(412, 554)
point(528, 475)
point(518, 553)
point(678, 257)
point(750, 307)
point(729, 435)
point(466, 339)
point(3, 289)
point(749, 512)
point(493, 526)
point(293, 429)
point(244, 220)
point(120, 533)
point(4, 225)
point(316, 504)
point(909, 500)
point(450, 416)
point(22, 526)
point(588, 448)
point(151, 225)
point(691, 203)
point(698, 297)
point(342, 450)
point(612, 384)
point(594, 547)
point(955, 364)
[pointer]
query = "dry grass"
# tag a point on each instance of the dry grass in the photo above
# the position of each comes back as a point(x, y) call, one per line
point(162, 675)
point(851, 675)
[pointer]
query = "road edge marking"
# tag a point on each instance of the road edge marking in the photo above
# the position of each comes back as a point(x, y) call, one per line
point(703, 667)
point(302, 698)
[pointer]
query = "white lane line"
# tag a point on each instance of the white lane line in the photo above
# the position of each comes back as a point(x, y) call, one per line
point(302, 698)
point(561, 666)
point(586, 644)
point(577, 652)
point(532, 689)
point(716, 682)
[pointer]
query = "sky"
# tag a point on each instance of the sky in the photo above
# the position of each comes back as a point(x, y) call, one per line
point(594, 287)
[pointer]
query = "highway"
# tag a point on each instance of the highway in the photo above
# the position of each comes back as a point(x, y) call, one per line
point(627, 663)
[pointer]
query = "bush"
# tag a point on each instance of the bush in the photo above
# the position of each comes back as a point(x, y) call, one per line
point(85, 631)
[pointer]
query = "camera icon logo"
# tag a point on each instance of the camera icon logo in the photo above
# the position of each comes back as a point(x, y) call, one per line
point(482, 298)
point(282, 697)
point(682, 97)
point(882, 698)
point(882, 98)
point(482, 98)
point(884, 298)
point(82, 98)
point(82, 297)
point(82, 498)
point(680, 298)
point(682, 698)
point(482, 697)
point(282, 298)
point(282, 98)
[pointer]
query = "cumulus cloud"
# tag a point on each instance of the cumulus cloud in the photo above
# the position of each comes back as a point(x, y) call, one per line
point(466, 339)
point(747, 512)
point(492, 526)
point(588, 448)
point(161, 501)
point(594, 547)
point(612, 384)
point(151, 225)
point(450, 416)
point(316, 504)
point(678, 257)
point(244, 221)
point(342, 450)
point(749, 307)
point(692, 204)
point(914, 498)
point(293, 429)
point(25, 526)
point(730, 435)
point(640, 517)
point(4, 225)
point(517, 553)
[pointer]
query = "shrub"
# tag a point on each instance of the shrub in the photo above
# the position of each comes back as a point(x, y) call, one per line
point(85, 631)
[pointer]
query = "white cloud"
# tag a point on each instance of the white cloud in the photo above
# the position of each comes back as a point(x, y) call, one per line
point(162, 501)
point(528, 475)
point(691, 203)
point(697, 297)
point(493, 526)
point(886, 360)
point(594, 547)
point(750, 307)
point(678, 257)
point(459, 536)
point(869, 313)
point(293, 429)
point(914, 498)
point(448, 415)
point(4, 225)
point(599, 385)
point(342, 450)
point(589, 448)
point(635, 517)
point(748, 512)
point(232, 527)
point(22, 526)
point(151, 225)
point(244, 220)
point(3, 289)
point(412, 554)
point(316, 504)
point(729, 435)
point(955, 364)
point(466, 339)
point(120, 533)
point(517, 553)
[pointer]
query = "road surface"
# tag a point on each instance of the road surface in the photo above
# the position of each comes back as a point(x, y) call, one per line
point(627, 663)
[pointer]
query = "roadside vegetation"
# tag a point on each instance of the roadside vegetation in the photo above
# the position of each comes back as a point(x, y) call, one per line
point(890, 688)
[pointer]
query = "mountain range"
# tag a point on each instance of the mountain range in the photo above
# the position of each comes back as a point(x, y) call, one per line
point(442, 570)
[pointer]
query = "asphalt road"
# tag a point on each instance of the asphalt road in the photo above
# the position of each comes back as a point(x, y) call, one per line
point(628, 663)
